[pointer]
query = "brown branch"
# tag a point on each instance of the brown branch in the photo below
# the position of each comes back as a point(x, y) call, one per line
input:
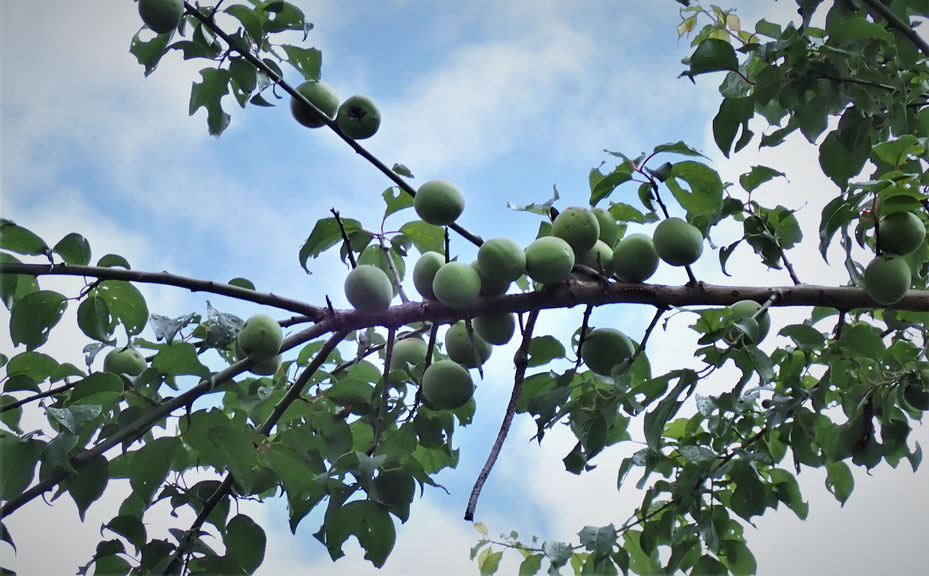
point(896, 22)
point(522, 363)
point(345, 241)
point(39, 396)
point(648, 332)
point(193, 284)
point(580, 340)
point(358, 148)
point(385, 391)
point(294, 392)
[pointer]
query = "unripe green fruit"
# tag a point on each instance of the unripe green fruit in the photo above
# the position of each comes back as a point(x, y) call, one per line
point(267, 367)
point(124, 361)
point(609, 230)
point(605, 348)
point(458, 346)
point(407, 353)
point(677, 242)
point(887, 278)
point(635, 258)
point(447, 385)
point(744, 310)
point(495, 329)
point(161, 16)
point(368, 289)
point(901, 233)
point(424, 273)
point(439, 202)
point(549, 260)
point(323, 96)
point(260, 337)
point(577, 226)
point(358, 118)
point(600, 258)
point(490, 287)
point(456, 284)
point(501, 258)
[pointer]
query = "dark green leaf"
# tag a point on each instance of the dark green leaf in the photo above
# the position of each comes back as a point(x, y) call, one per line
point(89, 483)
point(129, 527)
point(734, 113)
point(74, 249)
point(656, 419)
point(396, 200)
point(544, 349)
point(33, 317)
point(149, 53)
point(14, 286)
point(179, 358)
point(426, 237)
point(242, 283)
point(208, 94)
point(150, 466)
point(531, 565)
point(245, 542)
point(325, 235)
point(599, 540)
point(246, 16)
point(19, 462)
point(125, 303)
point(34, 365)
point(20, 240)
point(757, 176)
point(608, 183)
point(94, 318)
point(307, 61)
point(112, 261)
point(706, 189)
point(369, 522)
point(713, 55)
point(839, 480)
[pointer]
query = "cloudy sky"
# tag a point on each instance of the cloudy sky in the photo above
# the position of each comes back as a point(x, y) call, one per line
point(504, 99)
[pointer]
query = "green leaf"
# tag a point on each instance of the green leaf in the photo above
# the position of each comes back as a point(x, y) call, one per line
point(94, 319)
point(34, 365)
point(805, 337)
point(839, 480)
point(706, 189)
point(678, 147)
point(150, 466)
point(713, 55)
point(605, 186)
point(396, 200)
point(179, 358)
point(33, 317)
point(787, 490)
point(897, 152)
point(89, 483)
point(531, 565)
point(14, 286)
point(19, 459)
point(307, 61)
point(369, 522)
point(656, 420)
point(558, 553)
point(838, 162)
point(757, 176)
point(125, 303)
point(544, 349)
point(709, 566)
point(325, 235)
point(402, 171)
point(209, 94)
point(734, 113)
point(74, 249)
point(20, 240)
point(598, 540)
point(112, 261)
point(148, 54)
point(246, 16)
point(488, 561)
point(426, 237)
point(245, 542)
point(129, 527)
point(242, 283)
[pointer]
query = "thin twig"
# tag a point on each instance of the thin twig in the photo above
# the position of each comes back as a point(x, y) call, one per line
point(474, 352)
point(580, 340)
point(395, 276)
point(193, 284)
point(522, 363)
point(345, 240)
point(385, 391)
point(39, 396)
point(358, 148)
point(790, 268)
point(648, 332)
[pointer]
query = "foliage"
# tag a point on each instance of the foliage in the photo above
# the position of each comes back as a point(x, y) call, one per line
point(352, 434)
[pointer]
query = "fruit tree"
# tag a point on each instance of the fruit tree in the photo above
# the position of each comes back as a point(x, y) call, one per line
point(349, 403)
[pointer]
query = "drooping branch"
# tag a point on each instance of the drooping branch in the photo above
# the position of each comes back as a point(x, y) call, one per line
point(358, 148)
point(522, 363)
point(164, 278)
point(294, 392)
point(896, 22)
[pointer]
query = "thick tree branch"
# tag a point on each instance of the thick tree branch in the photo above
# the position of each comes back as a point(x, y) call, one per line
point(896, 22)
point(358, 148)
point(164, 278)
point(522, 363)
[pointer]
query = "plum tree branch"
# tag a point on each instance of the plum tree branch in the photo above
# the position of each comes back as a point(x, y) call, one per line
point(164, 278)
point(896, 22)
point(522, 363)
point(358, 148)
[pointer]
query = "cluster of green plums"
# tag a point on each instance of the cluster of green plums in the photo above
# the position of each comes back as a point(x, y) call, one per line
point(357, 117)
point(260, 339)
point(888, 276)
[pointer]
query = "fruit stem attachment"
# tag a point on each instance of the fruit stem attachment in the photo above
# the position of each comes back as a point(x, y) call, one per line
point(522, 363)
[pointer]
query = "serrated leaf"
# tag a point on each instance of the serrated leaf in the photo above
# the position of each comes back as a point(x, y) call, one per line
point(209, 94)
point(369, 522)
point(33, 317)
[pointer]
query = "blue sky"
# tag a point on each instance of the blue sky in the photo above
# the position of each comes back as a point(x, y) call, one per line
point(504, 100)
